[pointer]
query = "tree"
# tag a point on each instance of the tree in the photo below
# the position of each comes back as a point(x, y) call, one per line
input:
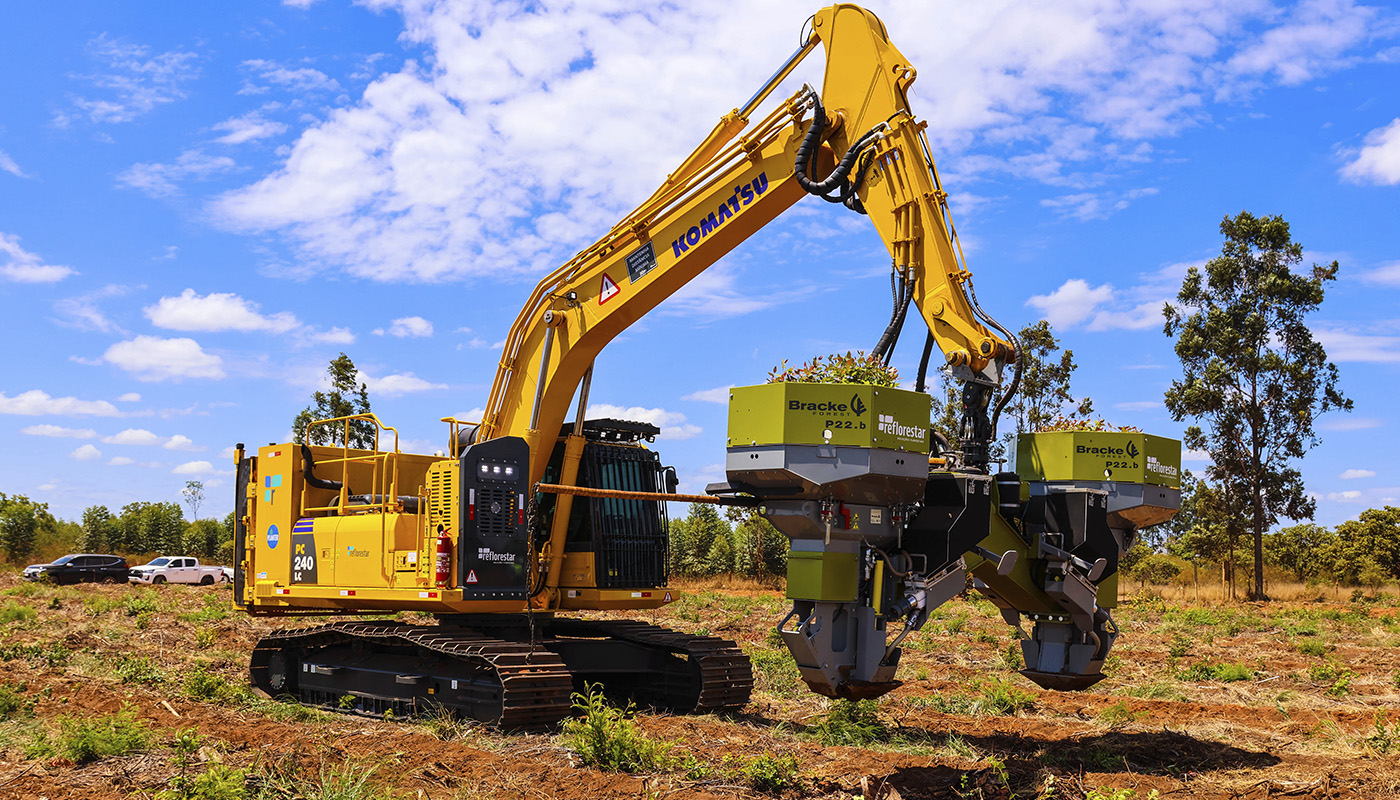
point(1304, 550)
point(1252, 370)
point(693, 539)
point(194, 497)
point(343, 400)
point(203, 538)
point(1368, 547)
point(760, 548)
point(97, 529)
point(1044, 388)
point(149, 528)
point(1207, 528)
point(22, 521)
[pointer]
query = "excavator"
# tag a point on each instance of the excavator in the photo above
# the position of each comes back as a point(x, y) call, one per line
point(535, 514)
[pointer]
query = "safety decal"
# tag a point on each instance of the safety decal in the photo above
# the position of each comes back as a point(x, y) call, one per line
point(471, 576)
point(608, 291)
point(667, 598)
point(640, 262)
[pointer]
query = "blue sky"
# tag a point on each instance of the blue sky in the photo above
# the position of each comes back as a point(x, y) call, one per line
point(199, 209)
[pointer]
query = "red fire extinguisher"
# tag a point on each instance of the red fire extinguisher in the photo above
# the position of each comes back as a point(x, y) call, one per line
point(444, 558)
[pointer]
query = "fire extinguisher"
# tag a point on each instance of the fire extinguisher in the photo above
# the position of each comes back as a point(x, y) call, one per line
point(444, 558)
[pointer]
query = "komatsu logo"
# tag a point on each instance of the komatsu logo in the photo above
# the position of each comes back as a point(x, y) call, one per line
point(743, 195)
point(487, 554)
point(888, 425)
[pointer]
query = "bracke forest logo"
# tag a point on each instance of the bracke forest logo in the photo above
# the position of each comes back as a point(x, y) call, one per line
point(857, 405)
point(1132, 450)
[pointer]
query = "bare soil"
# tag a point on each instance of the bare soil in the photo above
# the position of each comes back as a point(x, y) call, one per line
point(1312, 710)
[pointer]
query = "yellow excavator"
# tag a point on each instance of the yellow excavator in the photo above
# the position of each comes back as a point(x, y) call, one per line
point(529, 517)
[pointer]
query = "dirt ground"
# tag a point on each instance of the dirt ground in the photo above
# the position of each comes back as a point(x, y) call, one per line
point(1290, 700)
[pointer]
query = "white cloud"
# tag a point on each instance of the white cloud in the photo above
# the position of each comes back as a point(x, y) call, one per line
point(194, 468)
point(1349, 496)
point(1349, 423)
point(216, 312)
point(82, 312)
point(121, 461)
point(407, 327)
point(1072, 303)
point(1353, 474)
point(400, 384)
point(129, 397)
point(86, 453)
point(248, 128)
point(133, 436)
point(672, 423)
point(37, 403)
point(1347, 346)
point(8, 164)
point(151, 358)
point(294, 79)
point(161, 180)
point(1085, 206)
point(387, 186)
point(180, 442)
point(136, 81)
point(719, 394)
point(21, 266)
point(333, 336)
point(1378, 160)
point(60, 432)
point(1195, 456)
point(1386, 274)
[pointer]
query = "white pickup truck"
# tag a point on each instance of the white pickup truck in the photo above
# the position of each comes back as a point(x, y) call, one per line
point(176, 569)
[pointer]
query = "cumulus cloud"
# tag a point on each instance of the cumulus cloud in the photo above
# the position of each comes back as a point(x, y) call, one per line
point(1072, 303)
point(179, 442)
point(121, 461)
point(133, 79)
point(332, 336)
point(129, 397)
point(194, 468)
point(719, 394)
point(672, 423)
point(151, 358)
point(85, 453)
point(60, 432)
point(1346, 345)
point(1353, 474)
point(216, 312)
point(388, 186)
point(1386, 274)
point(133, 436)
point(407, 327)
point(1378, 160)
point(21, 266)
point(38, 403)
point(162, 180)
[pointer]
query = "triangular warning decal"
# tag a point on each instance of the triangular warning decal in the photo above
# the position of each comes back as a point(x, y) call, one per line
point(471, 576)
point(668, 598)
point(607, 291)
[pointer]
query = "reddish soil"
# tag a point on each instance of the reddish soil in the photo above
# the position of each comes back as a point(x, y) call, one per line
point(1287, 731)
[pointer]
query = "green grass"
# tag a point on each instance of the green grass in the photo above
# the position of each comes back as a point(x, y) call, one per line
point(1119, 714)
point(1226, 672)
point(992, 698)
point(139, 670)
point(201, 684)
point(777, 672)
point(54, 655)
point(1312, 647)
point(1160, 690)
point(142, 604)
point(13, 703)
point(12, 613)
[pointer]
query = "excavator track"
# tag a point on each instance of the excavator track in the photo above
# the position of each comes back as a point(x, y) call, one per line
point(373, 667)
point(704, 674)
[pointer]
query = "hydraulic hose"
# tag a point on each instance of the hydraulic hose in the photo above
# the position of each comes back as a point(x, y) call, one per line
point(920, 384)
point(884, 349)
point(838, 176)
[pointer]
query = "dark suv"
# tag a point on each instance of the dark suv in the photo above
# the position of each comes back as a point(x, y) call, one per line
point(80, 568)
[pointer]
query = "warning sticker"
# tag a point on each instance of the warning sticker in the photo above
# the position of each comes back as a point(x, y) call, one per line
point(608, 290)
point(668, 597)
point(640, 262)
point(471, 576)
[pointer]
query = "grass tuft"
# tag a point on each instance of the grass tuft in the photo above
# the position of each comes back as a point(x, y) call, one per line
point(849, 723)
point(608, 738)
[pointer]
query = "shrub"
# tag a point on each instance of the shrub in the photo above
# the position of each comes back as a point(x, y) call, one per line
point(850, 723)
point(772, 774)
point(204, 685)
point(12, 613)
point(1155, 569)
point(85, 740)
point(1312, 647)
point(608, 738)
point(141, 604)
point(13, 703)
point(139, 669)
point(1225, 673)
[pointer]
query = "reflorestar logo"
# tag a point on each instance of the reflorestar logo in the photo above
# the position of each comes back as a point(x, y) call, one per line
point(888, 425)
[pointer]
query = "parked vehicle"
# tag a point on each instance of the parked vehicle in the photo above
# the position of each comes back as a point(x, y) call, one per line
point(80, 568)
point(176, 569)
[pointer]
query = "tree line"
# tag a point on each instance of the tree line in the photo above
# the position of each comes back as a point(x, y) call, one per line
point(741, 542)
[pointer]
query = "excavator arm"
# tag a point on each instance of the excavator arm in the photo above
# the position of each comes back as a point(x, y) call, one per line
point(858, 133)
